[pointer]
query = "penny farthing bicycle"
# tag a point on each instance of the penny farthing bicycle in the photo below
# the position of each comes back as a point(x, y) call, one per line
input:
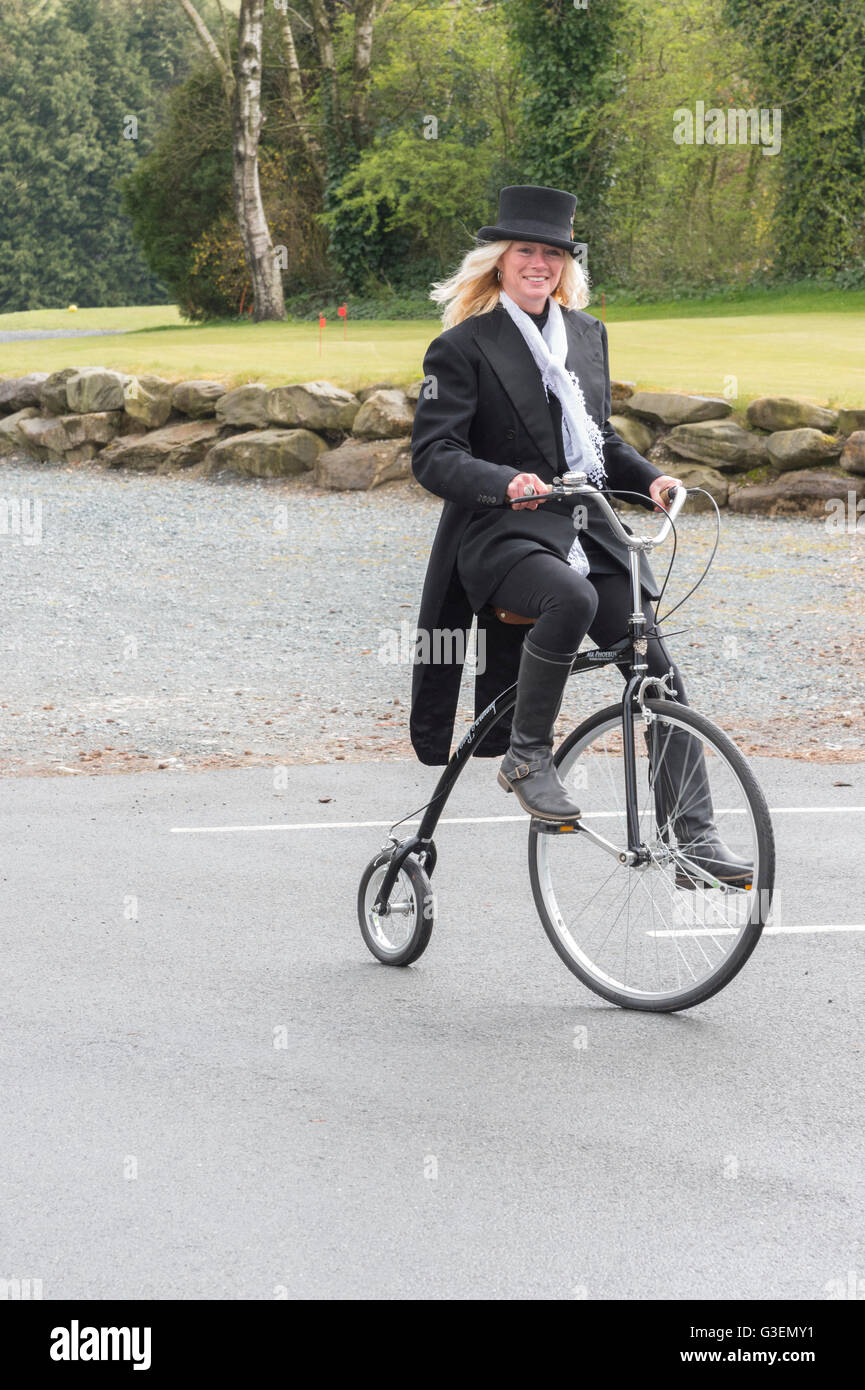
point(632, 913)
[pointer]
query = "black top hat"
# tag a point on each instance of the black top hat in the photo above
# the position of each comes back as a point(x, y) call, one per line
point(529, 212)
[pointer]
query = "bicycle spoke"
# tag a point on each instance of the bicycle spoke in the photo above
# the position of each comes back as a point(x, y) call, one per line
point(633, 931)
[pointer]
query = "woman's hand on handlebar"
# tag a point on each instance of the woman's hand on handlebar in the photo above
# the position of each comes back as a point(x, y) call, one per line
point(659, 487)
point(517, 486)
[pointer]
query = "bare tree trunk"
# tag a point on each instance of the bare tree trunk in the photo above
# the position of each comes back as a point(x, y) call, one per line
point(248, 207)
point(210, 46)
point(364, 21)
point(342, 126)
point(330, 91)
point(243, 94)
point(296, 102)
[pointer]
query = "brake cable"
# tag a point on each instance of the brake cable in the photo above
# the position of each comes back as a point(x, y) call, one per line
point(621, 492)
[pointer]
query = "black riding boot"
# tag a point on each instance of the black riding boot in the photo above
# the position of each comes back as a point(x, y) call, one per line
point(683, 806)
point(527, 767)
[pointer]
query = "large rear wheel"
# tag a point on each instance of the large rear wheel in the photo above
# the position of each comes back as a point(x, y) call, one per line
point(673, 929)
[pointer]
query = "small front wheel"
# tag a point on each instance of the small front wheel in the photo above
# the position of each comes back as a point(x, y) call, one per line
point(400, 935)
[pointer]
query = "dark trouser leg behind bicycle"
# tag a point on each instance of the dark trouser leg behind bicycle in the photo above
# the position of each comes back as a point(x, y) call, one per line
point(683, 800)
point(563, 603)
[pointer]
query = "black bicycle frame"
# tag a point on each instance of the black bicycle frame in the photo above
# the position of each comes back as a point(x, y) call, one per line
point(621, 653)
point(630, 652)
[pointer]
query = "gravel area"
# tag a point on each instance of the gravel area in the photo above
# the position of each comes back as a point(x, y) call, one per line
point(184, 622)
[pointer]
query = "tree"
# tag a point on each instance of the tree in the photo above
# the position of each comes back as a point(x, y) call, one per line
point(574, 61)
point(441, 106)
point(242, 89)
point(684, 217)
point(809, 61)
point(338, 105)
point(82, 86)
point(181, 190)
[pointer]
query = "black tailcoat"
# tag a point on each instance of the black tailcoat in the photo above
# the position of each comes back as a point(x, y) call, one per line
point(483, 400)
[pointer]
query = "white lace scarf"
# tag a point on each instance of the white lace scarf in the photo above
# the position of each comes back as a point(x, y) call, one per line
point(581, 437)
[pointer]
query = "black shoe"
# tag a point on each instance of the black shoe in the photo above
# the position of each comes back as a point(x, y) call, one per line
point(713, 857)
point(527, 768)
point(683, 807)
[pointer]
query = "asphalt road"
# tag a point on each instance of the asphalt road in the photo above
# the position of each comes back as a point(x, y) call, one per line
point(211, 1090)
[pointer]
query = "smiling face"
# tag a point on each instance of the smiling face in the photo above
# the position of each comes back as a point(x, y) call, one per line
point(530, 272)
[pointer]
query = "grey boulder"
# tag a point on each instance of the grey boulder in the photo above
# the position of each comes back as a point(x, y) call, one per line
point(670, 408)
point(266, 453)
point(53, 394)
point(788, 413)
point(366, 391)
point(384, 415)
point(148, 399)
point(359, 464)
point(695, 475)
point(246, 405)
point(790, 449)
point(719, 443)
point(853, 454)
point(851, 421)
point(197, 399)
point(11, 439)
point(174, 446)
point(313, 405)
point(94, 389)
point(633, 431)
point(19, 392)
point(804, 493)
point(622, 391)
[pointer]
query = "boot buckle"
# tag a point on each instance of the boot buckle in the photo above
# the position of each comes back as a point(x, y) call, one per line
point(521, 770)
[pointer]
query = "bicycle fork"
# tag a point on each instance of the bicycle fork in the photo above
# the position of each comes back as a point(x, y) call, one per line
point(639, 666)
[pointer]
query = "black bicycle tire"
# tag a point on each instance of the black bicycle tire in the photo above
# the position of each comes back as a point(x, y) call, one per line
point(420, 937)
point(732, 964)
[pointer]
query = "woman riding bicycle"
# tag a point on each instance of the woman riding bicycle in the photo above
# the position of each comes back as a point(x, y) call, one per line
point(517, 390)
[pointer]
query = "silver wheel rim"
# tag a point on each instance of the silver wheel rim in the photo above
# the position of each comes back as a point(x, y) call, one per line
point(631, 930)
point(393, 931)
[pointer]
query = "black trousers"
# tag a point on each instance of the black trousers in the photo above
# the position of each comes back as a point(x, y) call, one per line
point(569, 607)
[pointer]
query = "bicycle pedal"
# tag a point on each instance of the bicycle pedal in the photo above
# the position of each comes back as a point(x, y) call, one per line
point(554, 827)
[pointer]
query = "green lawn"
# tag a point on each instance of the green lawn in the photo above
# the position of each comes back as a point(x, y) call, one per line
point(128, 319)
point(804, 344)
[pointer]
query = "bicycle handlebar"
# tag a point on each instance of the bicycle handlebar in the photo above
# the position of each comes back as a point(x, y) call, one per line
point(575, 484)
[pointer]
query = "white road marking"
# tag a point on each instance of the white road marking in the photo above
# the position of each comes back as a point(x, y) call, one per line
point(333, 824)
point(497, 820)
point(475, 820)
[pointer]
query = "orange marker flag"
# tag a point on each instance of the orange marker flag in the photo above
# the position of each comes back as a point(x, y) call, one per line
point(321, 322)
point(343, 313)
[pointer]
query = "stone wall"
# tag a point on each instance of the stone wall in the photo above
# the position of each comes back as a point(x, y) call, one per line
point(780, 454)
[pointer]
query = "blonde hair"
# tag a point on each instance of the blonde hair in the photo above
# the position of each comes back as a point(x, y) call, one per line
point(474, 286)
